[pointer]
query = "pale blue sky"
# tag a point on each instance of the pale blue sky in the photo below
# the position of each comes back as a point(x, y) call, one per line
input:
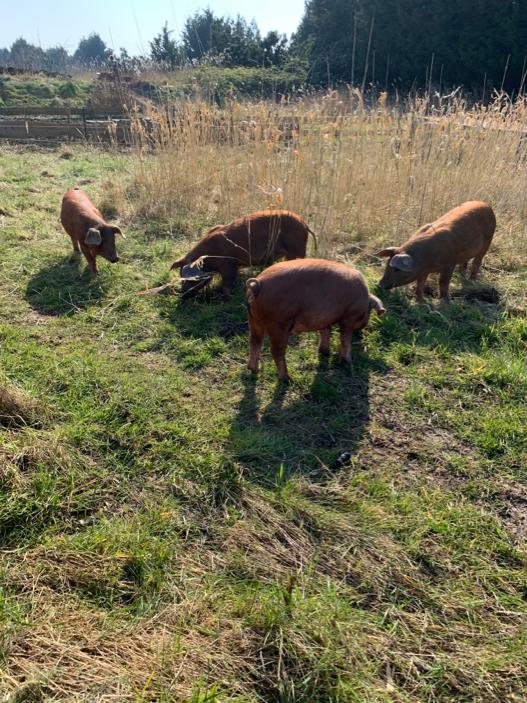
point(51, 22)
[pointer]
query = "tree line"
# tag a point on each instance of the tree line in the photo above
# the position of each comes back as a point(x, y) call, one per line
point(387, 44)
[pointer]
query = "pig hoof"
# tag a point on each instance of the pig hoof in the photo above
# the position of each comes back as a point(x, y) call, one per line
point(324, 351)
point(285, 380)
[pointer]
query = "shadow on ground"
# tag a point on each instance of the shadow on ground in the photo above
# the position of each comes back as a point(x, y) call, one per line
point(63, 288)
point(464, 325)
point(207, 314)
point(313, 432)
point(316, 431)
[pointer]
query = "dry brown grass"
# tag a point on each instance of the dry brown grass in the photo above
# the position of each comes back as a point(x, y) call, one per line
point(17, 408)
point(361, 176)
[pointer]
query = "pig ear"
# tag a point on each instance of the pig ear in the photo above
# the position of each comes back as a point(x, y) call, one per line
point(116, 230)
point(389, 251)
point(402, 262)
point(376, 304)
point(93, 237)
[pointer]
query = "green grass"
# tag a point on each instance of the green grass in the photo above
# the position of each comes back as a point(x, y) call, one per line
point(173, 530)
point(219, 84)
point(16, 91)
point(215, 84)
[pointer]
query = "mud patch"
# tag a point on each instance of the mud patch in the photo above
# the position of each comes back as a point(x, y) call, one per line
point(482, 294)
point(514, 511)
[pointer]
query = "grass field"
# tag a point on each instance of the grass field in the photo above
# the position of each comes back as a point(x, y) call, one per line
point(173, 530)
point(41, 90)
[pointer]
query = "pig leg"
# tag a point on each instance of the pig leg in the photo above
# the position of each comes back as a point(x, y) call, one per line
point(228, 278)
point(256, 337)
point(463, 268)
point(444, 282)
point(75, 243)
point(279, 340)
point(323, 347)
point(296, 250)
point(346, 330)
point(420, 287)
point(90, 260)
point(476, 264)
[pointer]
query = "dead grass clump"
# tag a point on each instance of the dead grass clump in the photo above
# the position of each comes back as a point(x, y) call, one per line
point(18, 409)
point(110, 98)
point(32, 692)
point(76, 649)
point(112, 200)
point(32, 450)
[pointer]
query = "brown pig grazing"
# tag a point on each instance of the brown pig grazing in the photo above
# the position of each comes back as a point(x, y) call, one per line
point(306, 295)
point(462, 234)
point(87, 228)
point(259, 238)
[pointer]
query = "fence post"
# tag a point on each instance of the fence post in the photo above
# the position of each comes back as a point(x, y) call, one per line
point(84, 123)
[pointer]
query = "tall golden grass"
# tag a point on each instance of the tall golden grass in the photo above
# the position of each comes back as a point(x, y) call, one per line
point(361, 175)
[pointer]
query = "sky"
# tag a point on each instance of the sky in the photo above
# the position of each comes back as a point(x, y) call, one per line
point(128, 23)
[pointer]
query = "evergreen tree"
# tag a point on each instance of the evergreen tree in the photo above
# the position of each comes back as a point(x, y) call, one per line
point(25, 55)
point(415, 42)
point(56, 59)
point(234, 42)
point(91, 51)
point(165, 50)
point(274, 48)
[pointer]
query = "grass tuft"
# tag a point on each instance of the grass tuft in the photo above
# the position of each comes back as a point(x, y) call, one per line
point(18, 409)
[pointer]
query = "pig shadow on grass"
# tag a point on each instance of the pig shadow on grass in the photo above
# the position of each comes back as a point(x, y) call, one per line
point(461, 326)
point(206, 315)
point(63, 288)
point(313, 432)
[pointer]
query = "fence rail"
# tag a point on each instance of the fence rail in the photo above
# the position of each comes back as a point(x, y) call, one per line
point(54, 125)
point(34, 123)
point(59, 112)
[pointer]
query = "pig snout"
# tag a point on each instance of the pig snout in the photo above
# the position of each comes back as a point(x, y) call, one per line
point(114, 259)
point(394, 278)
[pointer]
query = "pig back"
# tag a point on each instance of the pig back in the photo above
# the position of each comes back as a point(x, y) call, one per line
point(311, 293)
point(455, 237)
point(252, 240)
point(78, 213)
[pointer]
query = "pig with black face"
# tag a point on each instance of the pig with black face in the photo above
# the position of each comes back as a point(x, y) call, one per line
point(464, 234)
point(89, 231)
point(253, 240)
